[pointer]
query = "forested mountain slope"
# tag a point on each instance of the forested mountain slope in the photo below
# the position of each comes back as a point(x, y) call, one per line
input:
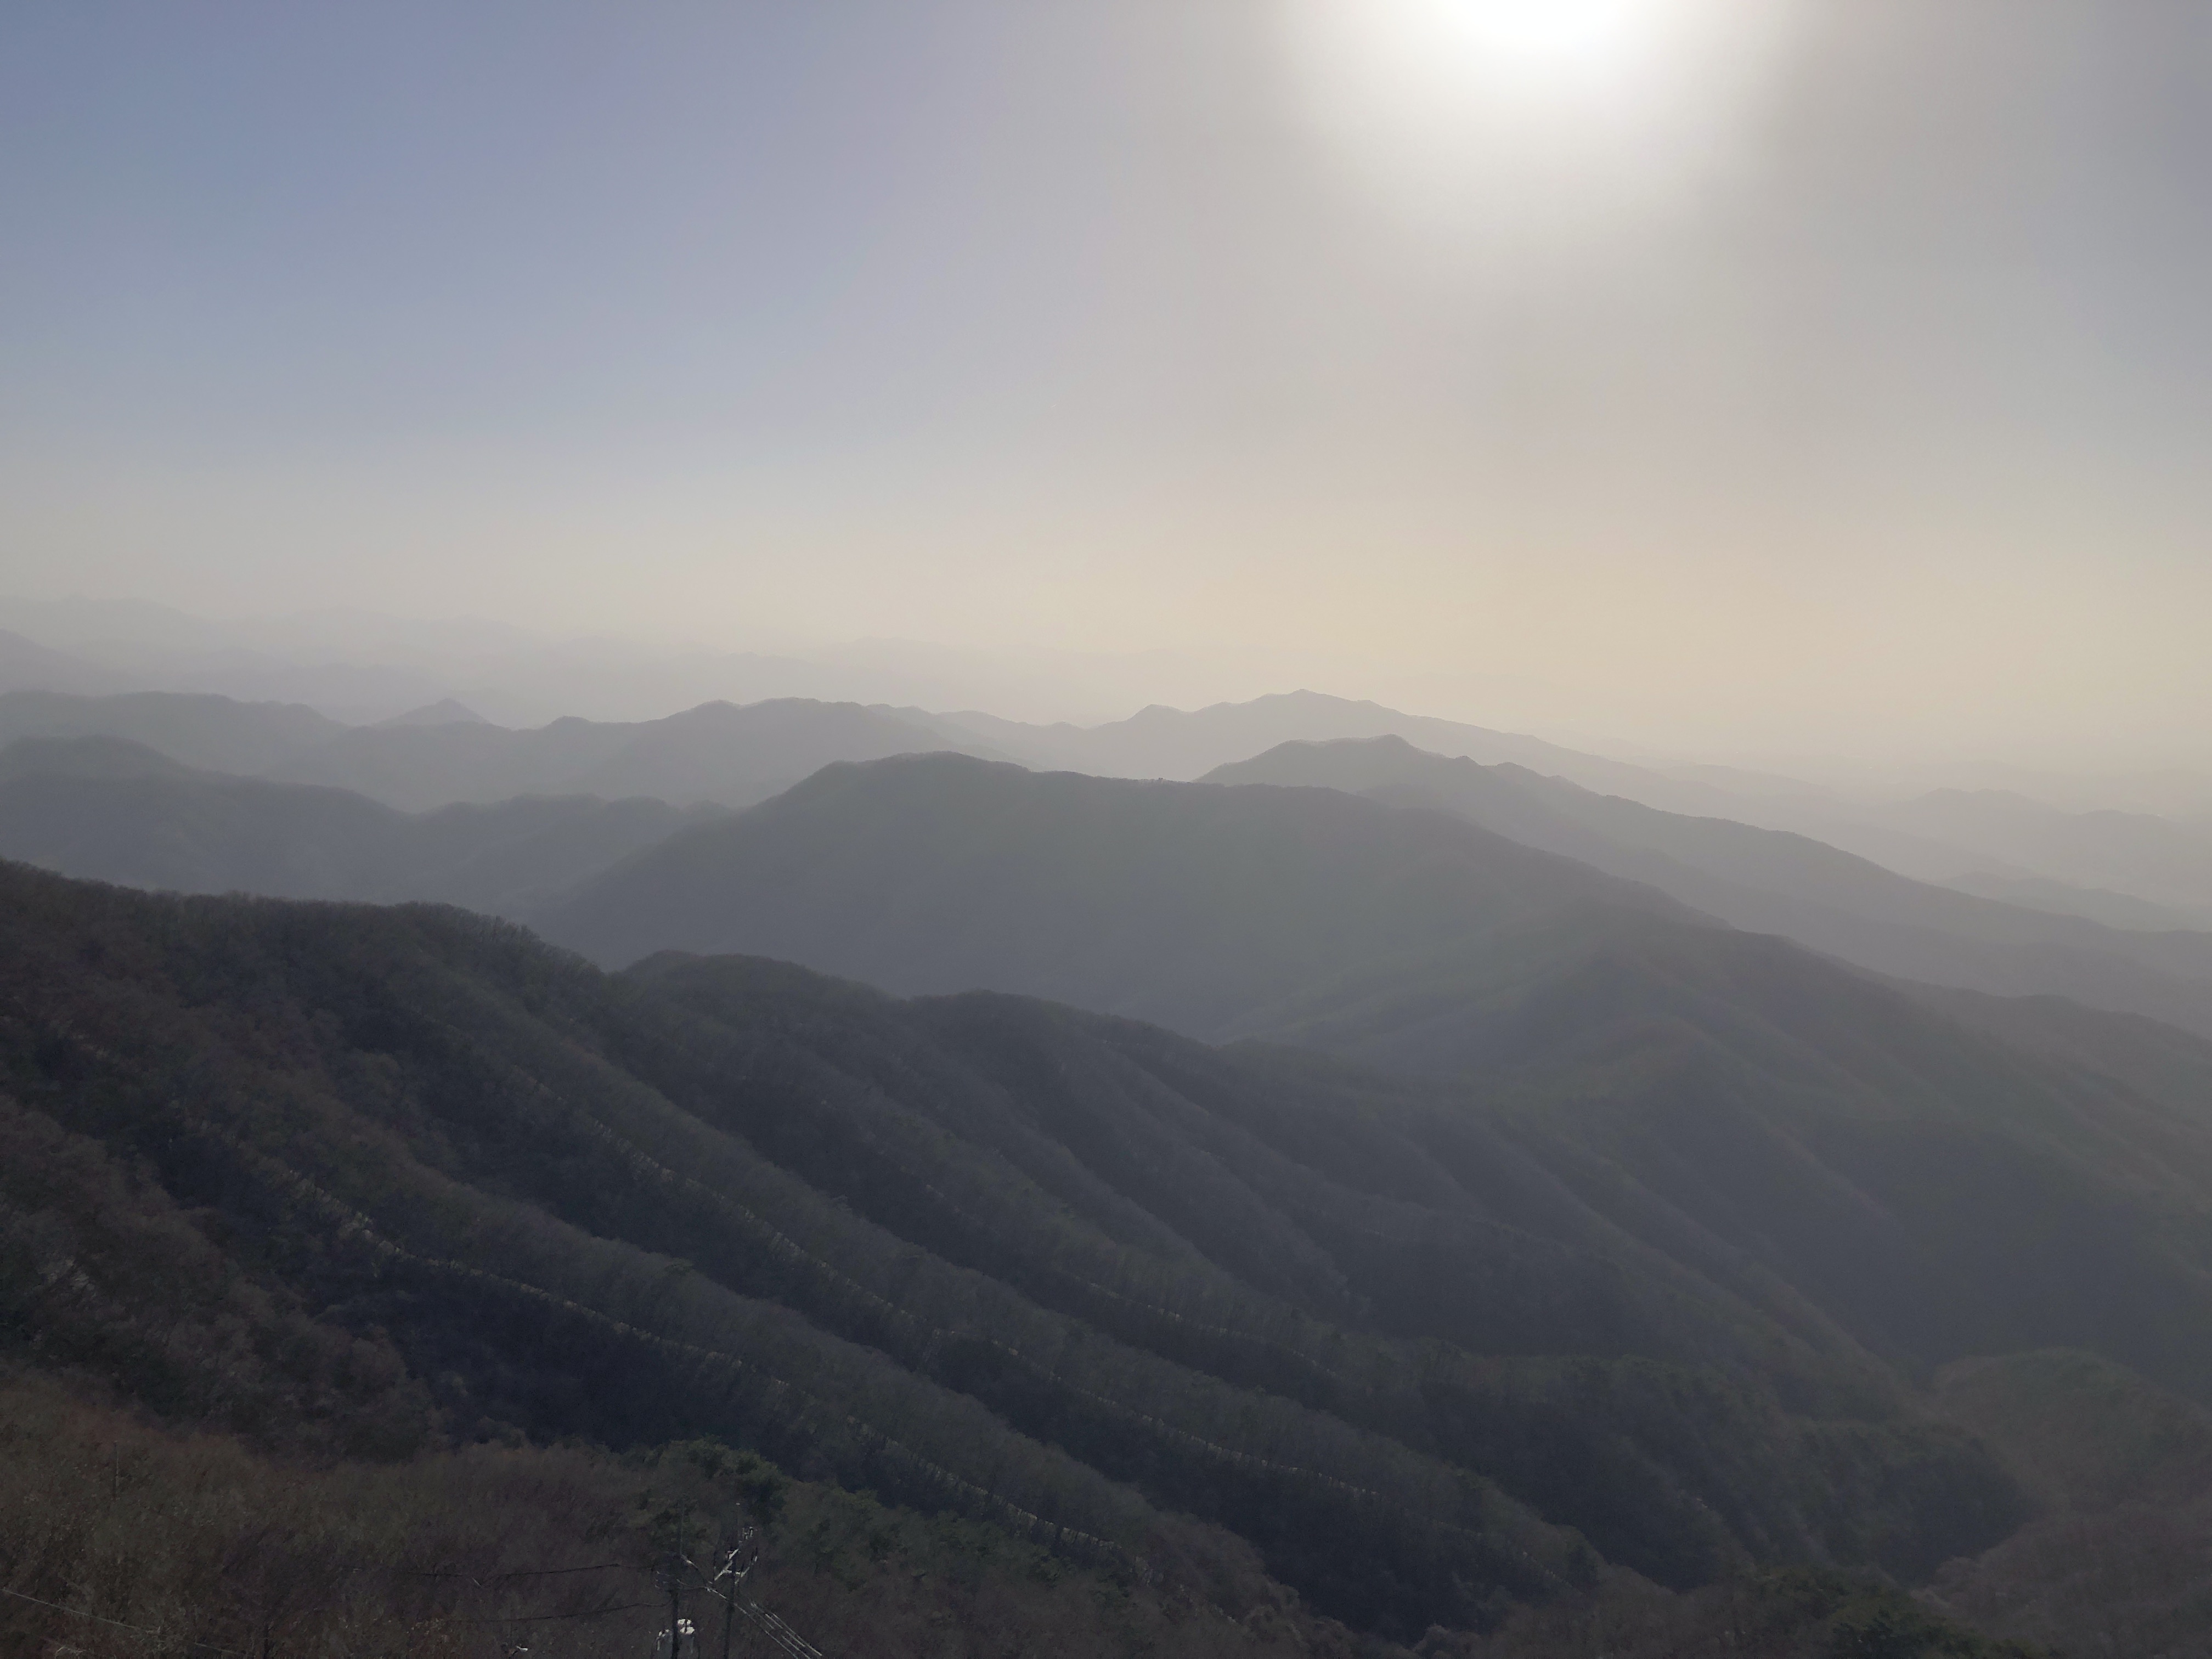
point(363, 1179)
point(1770, 881)
point(115, 810)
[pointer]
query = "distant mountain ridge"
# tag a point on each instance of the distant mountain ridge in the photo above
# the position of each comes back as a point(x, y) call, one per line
point(737, 755)
point(2155, 859)
point(1906, 837)
point(1174, 743)
point(210, 733)
point(109, 809)
point(1771, 881)
point(721, 754)
point(27, 665)
point(2114, 910)
point(1217, 912)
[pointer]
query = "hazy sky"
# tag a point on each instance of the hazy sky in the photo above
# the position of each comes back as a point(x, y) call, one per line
point(1751, 372)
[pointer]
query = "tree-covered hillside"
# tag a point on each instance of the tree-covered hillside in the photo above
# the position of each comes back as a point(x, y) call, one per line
point(365, 1179)
point(368, 1180)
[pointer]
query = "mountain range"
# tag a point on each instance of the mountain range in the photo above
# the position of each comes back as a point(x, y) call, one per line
point(193, 836)
point(446, 754)
point(2128, 869)
point(117, 811)
point(2159, 860)
point(1775, 882)
point(2064, 863)
point(718, 753)
point(210, 733)
point(1554, 1220)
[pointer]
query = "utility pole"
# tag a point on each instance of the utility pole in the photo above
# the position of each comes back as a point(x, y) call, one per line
point(671, 1580)
point(736, 1574)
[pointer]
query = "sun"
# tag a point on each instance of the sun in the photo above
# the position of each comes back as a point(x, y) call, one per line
point(1579, 56)
point(1546, 46)
point(1502, 114)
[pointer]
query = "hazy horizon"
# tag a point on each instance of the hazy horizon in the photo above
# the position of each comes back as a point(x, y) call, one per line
point(363, 667)
point(1737, 379)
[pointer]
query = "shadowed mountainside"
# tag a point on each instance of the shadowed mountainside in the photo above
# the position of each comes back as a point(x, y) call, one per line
point(2121, 1560)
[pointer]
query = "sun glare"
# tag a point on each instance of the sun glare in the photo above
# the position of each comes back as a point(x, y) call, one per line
point(1525, 117)
point(1561, 42)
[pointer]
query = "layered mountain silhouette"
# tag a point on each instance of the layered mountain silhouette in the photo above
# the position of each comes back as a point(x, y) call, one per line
point(1770, 881)
point(721, 753)
point(2151, 858)
point(24, 665)
point(1769, 1091)
point(1219, 912)
point(2096, 903)
point(718, 753)
point(1590, 1182)
point(116, 810)
point(2004, 848)
point(212, 733)
point(1159, 742)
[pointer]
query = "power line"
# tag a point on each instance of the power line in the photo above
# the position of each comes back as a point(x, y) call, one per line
point(98, 1618)
point(488, 1577)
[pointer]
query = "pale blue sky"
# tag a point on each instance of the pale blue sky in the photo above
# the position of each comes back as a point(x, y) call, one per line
point(1862, 374)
